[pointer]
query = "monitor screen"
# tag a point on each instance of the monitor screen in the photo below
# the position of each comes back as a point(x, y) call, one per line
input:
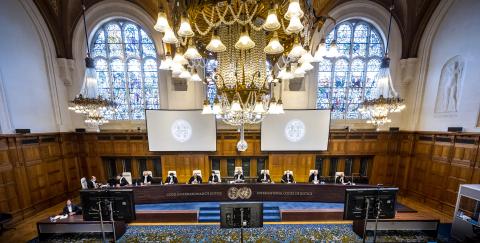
point(296, 130)
point(120, 202)
point(358, 201)
point(177, 130)
point(232, 215)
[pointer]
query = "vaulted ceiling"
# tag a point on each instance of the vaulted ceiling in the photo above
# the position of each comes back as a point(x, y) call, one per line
point(62, 16)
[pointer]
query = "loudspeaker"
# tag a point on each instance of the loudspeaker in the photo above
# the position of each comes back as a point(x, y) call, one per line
point(22, 131)
point(455, 129)
point(80, 130)
point(394, 129)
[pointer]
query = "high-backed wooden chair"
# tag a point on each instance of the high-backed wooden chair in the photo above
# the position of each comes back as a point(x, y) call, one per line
point(128, 177)
point(217, 172)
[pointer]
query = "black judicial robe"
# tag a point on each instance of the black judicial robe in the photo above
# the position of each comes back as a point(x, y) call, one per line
point(287, 178)
point(238, 177)
point(213, 178)
point(90, 184)
point(260, 178)
point(123, 181)
point(149, 179)
point(312, 178)
point(175, 180)
point(192, 179)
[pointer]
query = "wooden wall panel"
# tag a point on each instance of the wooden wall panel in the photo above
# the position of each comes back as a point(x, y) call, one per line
point(299, 164)
point(184, 165)
point(39, 169)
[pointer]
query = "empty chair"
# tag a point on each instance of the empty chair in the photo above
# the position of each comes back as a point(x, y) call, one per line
point(83, 183)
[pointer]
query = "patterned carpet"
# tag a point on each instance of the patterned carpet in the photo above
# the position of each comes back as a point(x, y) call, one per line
point(269, 233)
point(276, 233)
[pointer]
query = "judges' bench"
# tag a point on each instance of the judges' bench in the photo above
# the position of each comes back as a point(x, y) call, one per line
point(333, 193)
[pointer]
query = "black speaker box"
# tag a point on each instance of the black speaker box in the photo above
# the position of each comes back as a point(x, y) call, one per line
point(22, 131)
point(80, 130)
point(455, 129)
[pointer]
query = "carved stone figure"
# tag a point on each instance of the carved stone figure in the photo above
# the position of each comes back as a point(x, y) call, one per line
point(449, 87)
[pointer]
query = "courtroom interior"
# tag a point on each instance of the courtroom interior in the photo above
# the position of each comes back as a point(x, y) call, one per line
point(239, 121)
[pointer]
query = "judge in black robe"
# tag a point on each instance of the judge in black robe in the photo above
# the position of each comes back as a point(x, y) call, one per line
point(288, 178)
point(195, 179)
point(213, 178)
point(264, 177)
point(171, 179)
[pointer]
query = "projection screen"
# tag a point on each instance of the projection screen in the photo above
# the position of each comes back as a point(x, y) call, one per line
point(181, 130)
point(296, 130)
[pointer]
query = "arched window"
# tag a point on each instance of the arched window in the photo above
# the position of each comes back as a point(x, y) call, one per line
point(126, 63)
point(210, 66)
point(344, 82)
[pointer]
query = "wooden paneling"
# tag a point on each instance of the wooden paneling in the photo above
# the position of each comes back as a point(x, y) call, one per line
point(37, 170)
point(299, 164)
point(185, 164)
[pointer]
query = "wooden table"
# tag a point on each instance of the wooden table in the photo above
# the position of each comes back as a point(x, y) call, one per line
point(76, 224)
point(332, 193)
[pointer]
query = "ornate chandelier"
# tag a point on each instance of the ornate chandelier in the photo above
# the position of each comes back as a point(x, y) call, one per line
point(388, 101)
point(93, 107)
point(241, 34)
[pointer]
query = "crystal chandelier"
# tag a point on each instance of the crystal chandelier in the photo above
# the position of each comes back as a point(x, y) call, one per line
point(234, 33)
point(388, 101)
point(93, 107)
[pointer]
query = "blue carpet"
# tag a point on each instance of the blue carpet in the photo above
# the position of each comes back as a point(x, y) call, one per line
point(280, 205)
point(212, 214)
point(198, 205)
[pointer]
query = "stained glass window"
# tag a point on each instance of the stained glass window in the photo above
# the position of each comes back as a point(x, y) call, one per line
point(345, 81)
point(126, 63)
point(210, 66)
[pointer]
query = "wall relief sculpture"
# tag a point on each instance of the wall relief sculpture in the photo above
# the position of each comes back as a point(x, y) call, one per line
point(449, 87)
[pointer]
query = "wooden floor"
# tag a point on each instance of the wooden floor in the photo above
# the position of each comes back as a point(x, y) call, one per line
point(27, 229)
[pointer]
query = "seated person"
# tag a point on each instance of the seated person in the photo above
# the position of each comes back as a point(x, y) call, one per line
point(92, 183)
point(314, 178)
point(195, 179)
point(171, 179)
point(121, 181)
point(146, 179)
point(112, 182)
point(288, 177)
point(340, 179)
point(264, 177)
point(213, 178)
point(238, 176)
point(69, 210)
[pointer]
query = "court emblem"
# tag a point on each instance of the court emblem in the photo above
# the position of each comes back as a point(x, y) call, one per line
point(235, 193)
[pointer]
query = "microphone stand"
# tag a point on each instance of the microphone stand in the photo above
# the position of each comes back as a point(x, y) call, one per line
point(113, 222)
point(101, 220)
point(378, 213)
point(241, 225)
point(366, 220)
